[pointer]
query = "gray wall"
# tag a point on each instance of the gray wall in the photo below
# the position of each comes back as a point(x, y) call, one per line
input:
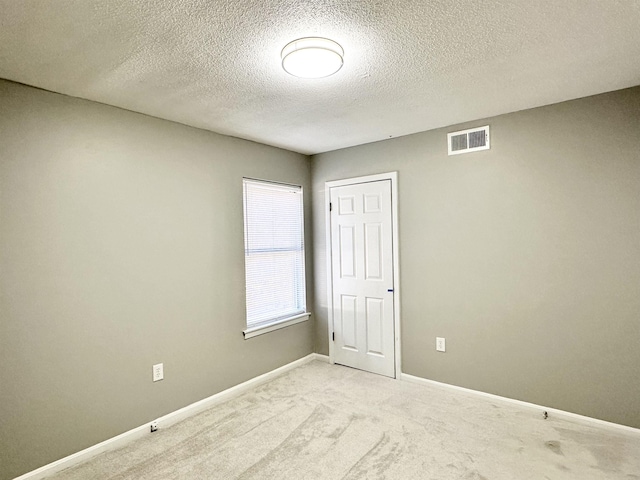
point(526, 257)
point(121, 246)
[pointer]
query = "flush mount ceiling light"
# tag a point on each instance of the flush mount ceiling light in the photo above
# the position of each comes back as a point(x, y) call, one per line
point(312, 57)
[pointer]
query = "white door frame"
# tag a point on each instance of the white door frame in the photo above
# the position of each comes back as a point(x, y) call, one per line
point(393, 177)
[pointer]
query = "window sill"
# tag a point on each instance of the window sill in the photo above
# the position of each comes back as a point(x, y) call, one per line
point(270, 327)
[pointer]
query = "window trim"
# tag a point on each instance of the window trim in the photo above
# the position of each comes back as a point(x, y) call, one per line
point(275, 325)
point(295, 317)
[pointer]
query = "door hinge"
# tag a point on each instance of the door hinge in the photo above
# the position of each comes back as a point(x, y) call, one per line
point(330, 206)
point(334, 336)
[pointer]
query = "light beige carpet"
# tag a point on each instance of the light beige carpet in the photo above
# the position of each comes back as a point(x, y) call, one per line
point(321, 421)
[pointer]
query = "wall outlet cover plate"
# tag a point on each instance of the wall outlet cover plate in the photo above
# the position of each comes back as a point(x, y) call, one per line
point(158, 372)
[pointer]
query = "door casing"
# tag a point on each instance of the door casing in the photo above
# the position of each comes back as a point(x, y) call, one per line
point(393, 177)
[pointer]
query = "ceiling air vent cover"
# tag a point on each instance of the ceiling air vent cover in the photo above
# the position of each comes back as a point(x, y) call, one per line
point(471, 140)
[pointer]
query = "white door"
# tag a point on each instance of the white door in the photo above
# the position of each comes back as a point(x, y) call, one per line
point(362, 276)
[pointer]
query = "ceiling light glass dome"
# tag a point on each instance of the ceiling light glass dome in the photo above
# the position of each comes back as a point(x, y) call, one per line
point(312, 57)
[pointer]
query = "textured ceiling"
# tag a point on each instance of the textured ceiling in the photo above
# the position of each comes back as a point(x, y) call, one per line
point(409, 65)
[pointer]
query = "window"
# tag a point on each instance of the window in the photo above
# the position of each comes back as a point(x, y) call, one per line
point(273, 256)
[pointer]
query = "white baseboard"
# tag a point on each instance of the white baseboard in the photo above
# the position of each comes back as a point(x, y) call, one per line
point(164, 421)
point(320, 357)
point(530, 406)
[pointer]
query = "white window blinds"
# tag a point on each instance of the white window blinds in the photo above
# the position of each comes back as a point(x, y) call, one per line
point(273, 252)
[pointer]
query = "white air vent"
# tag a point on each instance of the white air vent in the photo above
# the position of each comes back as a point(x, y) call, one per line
point(471, 140)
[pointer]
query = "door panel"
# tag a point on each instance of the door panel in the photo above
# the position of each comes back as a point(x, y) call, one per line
point(362, 282)
point(375, 328)
point(373, 251)
point(348, 317)
point(347, 251)
point(346, 205)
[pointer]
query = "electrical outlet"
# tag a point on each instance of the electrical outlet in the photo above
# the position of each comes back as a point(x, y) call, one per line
point(440, 344)
point(154, 425)
point(158, 372)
